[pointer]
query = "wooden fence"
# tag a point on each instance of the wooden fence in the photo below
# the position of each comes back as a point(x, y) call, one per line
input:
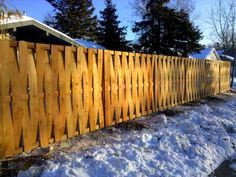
point(49, 93)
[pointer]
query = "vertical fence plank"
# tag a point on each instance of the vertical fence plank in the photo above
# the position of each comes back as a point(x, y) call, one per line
point(75, 92)
point(143, 77)
point(168, 82)
point(161, 82)
point(82, 115)
point(117, 87)
point(68, 98)
point(149, 83)
point(55, 87)
point(6, 129)
point(129, 85)
point(113, 89)
point(49, 93)
point(165, 83)
point(125, 101)
point(171, 82)
point(91, 86)
point(140, 85)
point(23, 57)
point(86, 89)
point(45, 92)
point(33, 103)
point(107, 85)
point(135, 86)
point(15, 101)
point(152, 83)
point(98, 77)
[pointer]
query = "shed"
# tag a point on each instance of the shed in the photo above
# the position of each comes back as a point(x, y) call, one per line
point(31, 30)
point(208, 53)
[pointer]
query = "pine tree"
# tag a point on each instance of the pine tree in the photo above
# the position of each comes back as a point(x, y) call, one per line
point(110, 34)
point(75, 18)
point(164, 30)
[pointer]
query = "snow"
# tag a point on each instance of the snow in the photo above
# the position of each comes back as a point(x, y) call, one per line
point(233, 166)
point(219, 52)
point(203, 54)
point(192, 143)
point(89, 44)
point(18, 19)
point(227, 57)
point(233, 163)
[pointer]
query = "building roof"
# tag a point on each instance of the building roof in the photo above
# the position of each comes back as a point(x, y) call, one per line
point(219, 52)
point(31, 30)
point(226, 57)
point(230, 52)
point(89, 44)
point(204, 54)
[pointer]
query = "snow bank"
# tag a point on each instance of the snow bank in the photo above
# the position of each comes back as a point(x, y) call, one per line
point(233, 162)
point(193, 143)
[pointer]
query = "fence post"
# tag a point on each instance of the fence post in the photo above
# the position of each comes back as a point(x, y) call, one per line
point(219, 74)
point(185, 79)
point(207, 85)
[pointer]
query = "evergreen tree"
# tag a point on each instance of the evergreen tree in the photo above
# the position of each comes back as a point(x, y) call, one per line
point(110, 34)
point(164, 30)
point(74, 18)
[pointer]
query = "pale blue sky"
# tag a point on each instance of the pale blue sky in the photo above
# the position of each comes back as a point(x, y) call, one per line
point(38, 9)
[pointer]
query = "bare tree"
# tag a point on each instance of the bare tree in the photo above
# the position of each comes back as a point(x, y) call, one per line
point(49, 19)
point(5, 14)
point(187, 5)
point(139, 7)
point(222, 22)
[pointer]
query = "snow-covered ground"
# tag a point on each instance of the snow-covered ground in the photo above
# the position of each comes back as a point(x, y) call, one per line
point(233, 164)
point(190, 144)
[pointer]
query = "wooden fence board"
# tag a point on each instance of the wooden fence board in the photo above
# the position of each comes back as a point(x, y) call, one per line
point(98, 80)
point(13, 70)
point(55, 87)
point(50, 93)
point(68, 84)
point(129, 85)
point(91, 86)
point(80, 73)
point(6, 128)
point(23, 57)
point(136, 86)
point(44, 78)
point(161, 82)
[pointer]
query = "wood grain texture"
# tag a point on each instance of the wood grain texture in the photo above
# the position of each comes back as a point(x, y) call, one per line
point(49, 93)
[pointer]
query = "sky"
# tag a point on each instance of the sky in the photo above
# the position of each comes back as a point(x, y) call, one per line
point(39, 8)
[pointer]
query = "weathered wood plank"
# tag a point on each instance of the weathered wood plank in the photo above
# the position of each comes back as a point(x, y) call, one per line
point(125, 101)
point(6, 128)
point(23, 58)
point(107, 85)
